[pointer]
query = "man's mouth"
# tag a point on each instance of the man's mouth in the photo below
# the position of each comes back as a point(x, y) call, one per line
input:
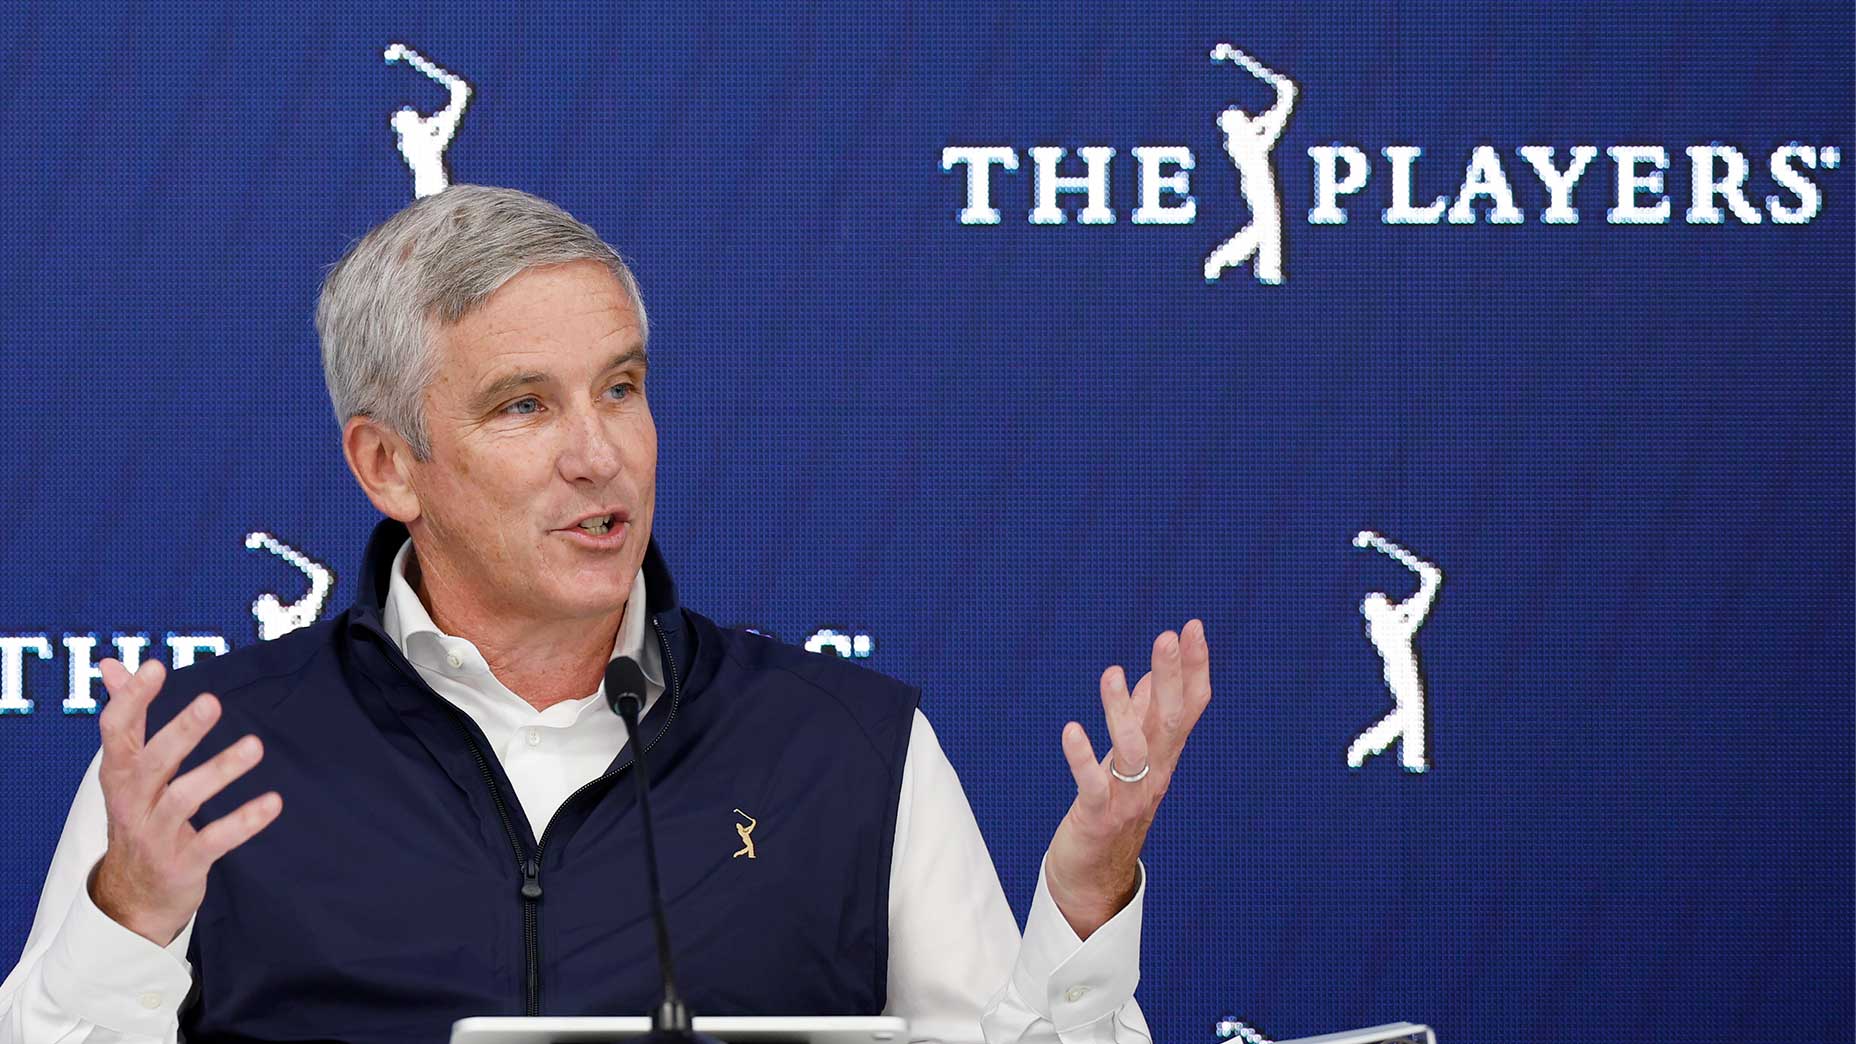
point(601, 524)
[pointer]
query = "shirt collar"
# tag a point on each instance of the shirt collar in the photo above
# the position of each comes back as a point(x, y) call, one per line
point(409, 625)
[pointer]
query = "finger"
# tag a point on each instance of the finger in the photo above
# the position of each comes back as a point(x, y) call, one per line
point(1124, 726)
point(1197, 655)
point(151, 673)
point(1167, 690)
point(123, 722)
point(170, 746)
point(1144, 710)
point(147, 677)
point(1114, 688)
point(1090, 785)
point(235, 828)
point(185, 795)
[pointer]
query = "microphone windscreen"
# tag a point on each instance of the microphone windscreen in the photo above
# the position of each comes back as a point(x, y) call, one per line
point(624, 678)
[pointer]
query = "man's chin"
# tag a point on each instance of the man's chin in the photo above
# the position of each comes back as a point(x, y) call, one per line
point(598, 580)
point(584, 608)
point(596, 593)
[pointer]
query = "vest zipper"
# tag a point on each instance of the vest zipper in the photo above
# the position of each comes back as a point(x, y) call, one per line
point(530, 867)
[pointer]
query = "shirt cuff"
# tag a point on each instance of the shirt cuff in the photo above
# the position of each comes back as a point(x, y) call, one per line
point(101, 972)
point(1075, 982)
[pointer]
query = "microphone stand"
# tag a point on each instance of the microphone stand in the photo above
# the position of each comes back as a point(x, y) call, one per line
point(670, 1022)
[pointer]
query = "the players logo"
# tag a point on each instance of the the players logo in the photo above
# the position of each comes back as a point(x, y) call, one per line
point(1248, 140)
point(424, 139)
point(1391, 626)
point(275, 617)
point(745, 833)
point(1512, 185)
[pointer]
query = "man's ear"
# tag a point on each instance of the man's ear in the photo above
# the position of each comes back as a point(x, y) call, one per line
point(382, 463)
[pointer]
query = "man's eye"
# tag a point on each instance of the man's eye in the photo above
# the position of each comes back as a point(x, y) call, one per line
point(625, 388)
point(511, 408)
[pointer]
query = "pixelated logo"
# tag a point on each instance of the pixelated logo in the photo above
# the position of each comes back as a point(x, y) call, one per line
point(1392, 627)
point(272, 616)
point(1249, 140)
point(424, 138)
point(1722, 182)
point(275, 617)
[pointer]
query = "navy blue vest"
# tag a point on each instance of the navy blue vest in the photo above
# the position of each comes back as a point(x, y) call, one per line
point(402, 888)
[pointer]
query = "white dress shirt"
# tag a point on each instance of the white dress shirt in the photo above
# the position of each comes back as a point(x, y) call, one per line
point(84, 978)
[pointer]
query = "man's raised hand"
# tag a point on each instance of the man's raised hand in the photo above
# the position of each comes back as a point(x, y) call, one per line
point(152, 877)
point(1091, 868)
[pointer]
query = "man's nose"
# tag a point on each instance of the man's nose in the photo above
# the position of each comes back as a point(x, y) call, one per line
point(592, 450)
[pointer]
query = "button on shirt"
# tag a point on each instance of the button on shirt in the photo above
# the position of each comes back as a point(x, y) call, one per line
point(958, 968)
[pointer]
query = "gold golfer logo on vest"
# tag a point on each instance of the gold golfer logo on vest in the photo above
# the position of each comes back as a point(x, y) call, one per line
point(747, 843)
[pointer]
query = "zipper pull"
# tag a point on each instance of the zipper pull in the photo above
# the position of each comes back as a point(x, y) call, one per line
point(531, 879)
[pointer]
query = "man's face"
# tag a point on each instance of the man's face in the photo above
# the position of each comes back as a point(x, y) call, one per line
point(537, 419)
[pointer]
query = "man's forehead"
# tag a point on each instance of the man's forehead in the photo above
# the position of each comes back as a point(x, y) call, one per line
point(566, 340)
point(538, 315)
point(480, 362)
point(576, 303)
point(551, 366)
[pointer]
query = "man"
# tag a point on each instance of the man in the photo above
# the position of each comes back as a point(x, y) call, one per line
point(455, 843)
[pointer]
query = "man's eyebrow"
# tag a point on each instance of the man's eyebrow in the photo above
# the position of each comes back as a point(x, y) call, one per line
point(628, 357)
point(502, 386)
point(507, 383)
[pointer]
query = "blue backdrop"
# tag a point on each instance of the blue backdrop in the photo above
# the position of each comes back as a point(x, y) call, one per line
point(1011, 453)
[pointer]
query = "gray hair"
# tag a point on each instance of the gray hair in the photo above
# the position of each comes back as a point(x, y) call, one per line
point(427, 266)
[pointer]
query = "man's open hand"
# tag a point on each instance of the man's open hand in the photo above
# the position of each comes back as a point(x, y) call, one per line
point(1091, 870)
point(152, 877)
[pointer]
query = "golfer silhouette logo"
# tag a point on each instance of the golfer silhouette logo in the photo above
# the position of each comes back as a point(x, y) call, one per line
point(1391, 626)
point(747, 843)
point(276, 619)
point(1248, 139)
point(424, 139)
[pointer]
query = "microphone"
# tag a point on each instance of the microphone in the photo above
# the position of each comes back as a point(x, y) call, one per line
point(670, 1023)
